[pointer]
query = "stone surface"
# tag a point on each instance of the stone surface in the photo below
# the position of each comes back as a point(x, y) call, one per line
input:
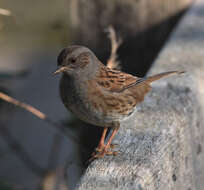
point(161, 145)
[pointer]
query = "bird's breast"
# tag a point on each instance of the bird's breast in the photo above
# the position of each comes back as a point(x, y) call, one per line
point(75, 97)
point(92, 104)
point(111, 107)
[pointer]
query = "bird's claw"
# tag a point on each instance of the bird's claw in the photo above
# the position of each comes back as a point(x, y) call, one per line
point(101, 154)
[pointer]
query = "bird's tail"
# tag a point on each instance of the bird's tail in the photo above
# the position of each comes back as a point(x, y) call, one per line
point(161, 75)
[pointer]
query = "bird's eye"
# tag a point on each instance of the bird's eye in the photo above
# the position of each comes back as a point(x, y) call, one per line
point(72, 60)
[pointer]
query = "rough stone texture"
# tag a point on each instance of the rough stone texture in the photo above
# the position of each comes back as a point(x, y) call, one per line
point(161, 146)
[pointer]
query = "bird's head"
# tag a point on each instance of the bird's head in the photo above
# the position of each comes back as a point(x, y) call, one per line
point(76, 60)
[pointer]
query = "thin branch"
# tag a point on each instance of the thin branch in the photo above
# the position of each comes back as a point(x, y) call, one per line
point(5, 12)
point(54, 152)
point(40, 115)
point(27, 107)
point(112, 62)
point(55, 180)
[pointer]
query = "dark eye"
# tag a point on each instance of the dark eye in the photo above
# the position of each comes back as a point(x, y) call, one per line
point(72, 60)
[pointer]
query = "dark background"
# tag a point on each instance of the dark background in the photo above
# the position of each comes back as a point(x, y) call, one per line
point(33, 154)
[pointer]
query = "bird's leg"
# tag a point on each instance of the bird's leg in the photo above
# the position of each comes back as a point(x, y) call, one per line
point(101, 144)
point(109, 145)
point(102, 149)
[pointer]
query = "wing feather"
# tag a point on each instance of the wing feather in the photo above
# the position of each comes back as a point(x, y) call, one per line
point(115, 81)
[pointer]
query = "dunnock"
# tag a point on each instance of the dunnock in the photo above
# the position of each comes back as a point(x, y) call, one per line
point(97, 94)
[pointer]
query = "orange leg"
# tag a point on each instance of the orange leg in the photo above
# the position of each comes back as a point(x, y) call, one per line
point(102, 149)
point(101, 144)
point(115, 130)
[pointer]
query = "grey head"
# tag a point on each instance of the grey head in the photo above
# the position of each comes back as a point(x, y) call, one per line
point(75, 61)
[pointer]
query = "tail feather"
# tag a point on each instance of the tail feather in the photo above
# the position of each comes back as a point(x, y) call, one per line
point(161, 75)
point(148, 80)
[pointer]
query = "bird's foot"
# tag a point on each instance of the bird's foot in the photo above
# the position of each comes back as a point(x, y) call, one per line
point(112, 146)
point(99, 149)
point(102, 147)
point(100, 152)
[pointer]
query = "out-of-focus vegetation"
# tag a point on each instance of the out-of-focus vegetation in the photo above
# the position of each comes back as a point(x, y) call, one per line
point(39, 23)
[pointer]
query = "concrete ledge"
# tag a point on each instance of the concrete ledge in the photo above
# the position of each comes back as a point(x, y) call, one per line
point(161, 145)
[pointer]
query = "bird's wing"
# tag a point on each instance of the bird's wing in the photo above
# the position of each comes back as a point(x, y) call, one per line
point(117, 81)
point(120, 82)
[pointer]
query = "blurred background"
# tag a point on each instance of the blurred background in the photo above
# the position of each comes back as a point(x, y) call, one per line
point(33, 154)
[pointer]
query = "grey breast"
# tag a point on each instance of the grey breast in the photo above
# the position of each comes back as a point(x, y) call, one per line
point(74, 99)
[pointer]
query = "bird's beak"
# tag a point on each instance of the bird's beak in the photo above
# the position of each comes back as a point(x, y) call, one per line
point(61, 69)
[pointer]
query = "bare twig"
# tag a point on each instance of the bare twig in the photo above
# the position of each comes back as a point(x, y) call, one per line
point(5, 12)
point(27, 107)
point(40, 115)
point(55, 179)
point(112, 62)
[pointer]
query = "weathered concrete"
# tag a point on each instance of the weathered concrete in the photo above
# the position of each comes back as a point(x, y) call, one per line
point(161, 146)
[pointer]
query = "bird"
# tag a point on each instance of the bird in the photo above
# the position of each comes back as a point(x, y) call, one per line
point(98, 94)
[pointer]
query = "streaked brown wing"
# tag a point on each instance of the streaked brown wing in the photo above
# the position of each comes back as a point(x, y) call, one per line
point(117, 81)
point(114, 80)
point(124, 89)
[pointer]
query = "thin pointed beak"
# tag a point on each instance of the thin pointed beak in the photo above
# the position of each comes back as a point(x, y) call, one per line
point(61, 69)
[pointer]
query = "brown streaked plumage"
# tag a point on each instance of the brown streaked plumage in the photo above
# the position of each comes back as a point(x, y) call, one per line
point(97, 94)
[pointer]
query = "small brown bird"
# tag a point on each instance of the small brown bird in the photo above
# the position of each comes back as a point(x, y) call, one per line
point(97, 94)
